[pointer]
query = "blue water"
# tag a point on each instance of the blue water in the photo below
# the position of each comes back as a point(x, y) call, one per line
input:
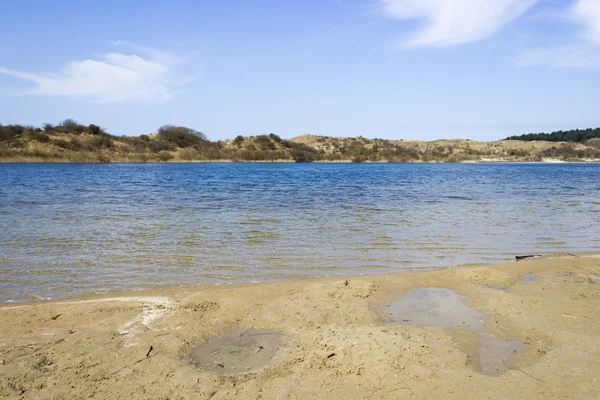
point(69, 229)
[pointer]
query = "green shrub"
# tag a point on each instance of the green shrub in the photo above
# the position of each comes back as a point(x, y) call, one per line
point(11, 132)
point(160, 145)
point(95, 130)
point(100, 142)
point(180, 135)
point(595, 143)
point(38, 136)
point(70, 126)
point(238, 140)
point(165, 155)
point(189, 154)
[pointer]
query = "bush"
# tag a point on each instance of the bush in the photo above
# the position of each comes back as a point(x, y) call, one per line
point(160, 145)
point(165, 155)
point(38, 136)
point(100, 142)
point(11, 132)
point(95, 130)
point(189, 154)
point(275, 137)
point(71, 126)
point(180, 135)
point(265, 143)
point(595, 143)
point(238, 140)
point(73, 144)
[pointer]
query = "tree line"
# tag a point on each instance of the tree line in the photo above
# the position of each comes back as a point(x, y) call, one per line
point(575, 135)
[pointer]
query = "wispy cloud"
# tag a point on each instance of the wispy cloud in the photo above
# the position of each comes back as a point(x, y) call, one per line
point(453, 22)
point(569, 56)
point(583, 51)
point(587, 14)
point(148, 75)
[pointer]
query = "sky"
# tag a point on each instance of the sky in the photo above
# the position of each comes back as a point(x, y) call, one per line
point(394, 69)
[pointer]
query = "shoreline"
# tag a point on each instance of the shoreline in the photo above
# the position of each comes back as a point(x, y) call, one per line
point(490, 161)
point(176, 287)
point(336, 340)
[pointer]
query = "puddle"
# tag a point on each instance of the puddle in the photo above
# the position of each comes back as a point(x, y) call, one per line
point(434, 306)
point(237, 352)
point(445, 308)
point(530, 278)
point(494, 353)
point(498, 288)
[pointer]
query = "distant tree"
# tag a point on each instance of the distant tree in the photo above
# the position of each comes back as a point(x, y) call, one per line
point(576, 135)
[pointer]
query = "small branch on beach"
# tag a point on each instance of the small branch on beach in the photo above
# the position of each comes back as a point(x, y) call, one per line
point(529, 375)
point(137, 362)
point(519, 258)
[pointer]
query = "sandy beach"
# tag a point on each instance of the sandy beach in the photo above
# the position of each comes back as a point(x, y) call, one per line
point(326, 338)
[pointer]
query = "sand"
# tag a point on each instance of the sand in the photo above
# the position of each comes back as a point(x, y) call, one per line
point(335, 340)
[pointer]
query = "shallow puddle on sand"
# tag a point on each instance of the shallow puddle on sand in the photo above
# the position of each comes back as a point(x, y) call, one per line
point(504, 289)
point(237, 352)
point(434, 306)
point(445, 308)
point(531, 278)
point(494, 353)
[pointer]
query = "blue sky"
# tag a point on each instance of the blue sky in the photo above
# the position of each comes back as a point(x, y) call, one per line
point(410, 69)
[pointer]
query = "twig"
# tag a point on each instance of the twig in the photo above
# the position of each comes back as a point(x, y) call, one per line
point(137, 362)
point(529, 375)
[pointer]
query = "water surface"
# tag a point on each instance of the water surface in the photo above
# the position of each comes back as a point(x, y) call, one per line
point(69, 229)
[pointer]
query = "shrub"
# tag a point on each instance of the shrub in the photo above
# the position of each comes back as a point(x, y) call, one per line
point(160, 145)
point(189, 154)
point(595, 143)
point(95, 130)
point(73, 144)
point(71, 126)
point(165, 155)
point(238, 140)
point(11, 132)
point(38, 136)
point(180, 135)
point(265, 143)
point(100, 142)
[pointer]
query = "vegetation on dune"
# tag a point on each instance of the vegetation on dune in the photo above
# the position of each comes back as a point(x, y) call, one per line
point(576, 135)
point(70, 141)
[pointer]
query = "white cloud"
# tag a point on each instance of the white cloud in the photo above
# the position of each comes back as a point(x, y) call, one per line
point(583, 52)
point(452, 22)
point(587, 14)
point(114, 78)
point(570, 56)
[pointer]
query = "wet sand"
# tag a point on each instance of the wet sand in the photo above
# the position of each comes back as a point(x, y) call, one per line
point(326, 338)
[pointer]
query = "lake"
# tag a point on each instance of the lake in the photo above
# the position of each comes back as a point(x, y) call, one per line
point(68, 229)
